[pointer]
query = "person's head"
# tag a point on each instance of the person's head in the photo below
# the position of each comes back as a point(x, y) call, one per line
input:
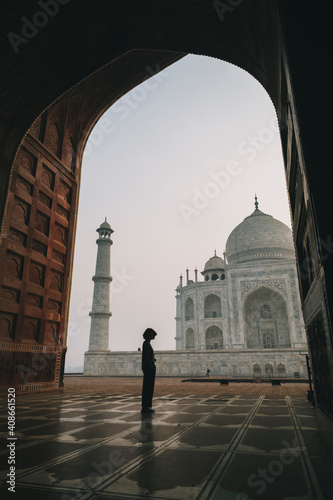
point(149, 334)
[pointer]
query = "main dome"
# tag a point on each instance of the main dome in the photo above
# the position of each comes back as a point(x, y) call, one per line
point(258, 237)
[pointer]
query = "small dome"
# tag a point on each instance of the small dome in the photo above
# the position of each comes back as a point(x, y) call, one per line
point(258, 237)
point(214, 269)
point(105, 226)
point(215, 263)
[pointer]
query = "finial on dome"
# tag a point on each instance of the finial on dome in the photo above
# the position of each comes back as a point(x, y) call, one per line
point(256, 204)
point(105, 219)
point(214, 253)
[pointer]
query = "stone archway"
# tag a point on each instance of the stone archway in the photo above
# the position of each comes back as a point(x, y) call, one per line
point(266, 319)
point(212, 306)
point(189, 339)
point(214, 337)
point(189, 309)
point(42, 178)
point(44, 187)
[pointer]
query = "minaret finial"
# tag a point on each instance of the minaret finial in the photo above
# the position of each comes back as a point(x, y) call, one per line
point(256, 204)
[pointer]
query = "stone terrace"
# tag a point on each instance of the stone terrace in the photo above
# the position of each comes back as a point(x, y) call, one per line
point(205, 441)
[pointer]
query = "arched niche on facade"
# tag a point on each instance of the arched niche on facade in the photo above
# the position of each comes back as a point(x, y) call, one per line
point(189, 339)
point(214, 337)
point(268, 369)
point(256, 370)
point(189, 309)
point(266, 319)
point(212, 306)
point(281, 369)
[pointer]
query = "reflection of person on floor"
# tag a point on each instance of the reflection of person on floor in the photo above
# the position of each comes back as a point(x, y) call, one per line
point(149, 370)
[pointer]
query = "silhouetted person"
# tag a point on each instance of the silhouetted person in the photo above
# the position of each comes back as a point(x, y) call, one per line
point(149, 370)
point(208, 372)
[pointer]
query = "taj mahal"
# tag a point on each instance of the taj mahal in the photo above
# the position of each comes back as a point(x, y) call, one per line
point(243, 318)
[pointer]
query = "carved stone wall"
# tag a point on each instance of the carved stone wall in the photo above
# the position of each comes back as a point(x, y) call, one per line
point(243, 363)
point(36, 250)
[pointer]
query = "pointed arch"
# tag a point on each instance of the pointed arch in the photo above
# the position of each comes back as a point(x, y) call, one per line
point(268, 369)
point(214, 337)
point(212, 306)
point(189, 338)
point(189, 309)
point(266, 319)
point(256, 370)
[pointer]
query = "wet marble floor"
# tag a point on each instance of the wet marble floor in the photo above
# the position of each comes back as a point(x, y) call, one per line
point(95, 445)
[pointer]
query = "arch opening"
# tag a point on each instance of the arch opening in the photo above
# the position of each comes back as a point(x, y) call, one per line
point(212, 306)
point(266, 320)
point(214, 337)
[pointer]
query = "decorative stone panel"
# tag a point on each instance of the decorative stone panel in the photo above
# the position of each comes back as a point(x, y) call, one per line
point(51, 336)
point(65, 192)
point(27, 161)
point(24, 185)
point(56, 281)
point(7, 325)
point(45, 200)
point(34, 300)
point(20, 212)
point(10, 294)
point(60, 234)
point(17, 236)
point(30, 367)
point(42, 223)
point(30, 329)
point(14, 265)
point(62, 212)
point(37, 273)
point(47, 177)
point(248, 286)
point(39, 247)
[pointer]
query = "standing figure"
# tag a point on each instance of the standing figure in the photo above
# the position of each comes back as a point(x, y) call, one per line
point(149, 370)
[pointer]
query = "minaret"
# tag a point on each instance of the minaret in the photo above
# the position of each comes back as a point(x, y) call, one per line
point(100, 314)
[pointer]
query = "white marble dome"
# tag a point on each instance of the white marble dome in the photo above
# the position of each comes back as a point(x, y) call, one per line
point(215, 263)
point(258, 237)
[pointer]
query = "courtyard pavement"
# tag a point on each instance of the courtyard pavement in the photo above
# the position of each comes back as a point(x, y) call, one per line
point(205, 441)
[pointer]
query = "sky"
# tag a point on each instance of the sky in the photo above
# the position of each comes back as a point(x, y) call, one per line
point(174, 165)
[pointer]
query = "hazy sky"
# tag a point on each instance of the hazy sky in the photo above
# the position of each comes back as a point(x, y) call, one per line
point(174, 166)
